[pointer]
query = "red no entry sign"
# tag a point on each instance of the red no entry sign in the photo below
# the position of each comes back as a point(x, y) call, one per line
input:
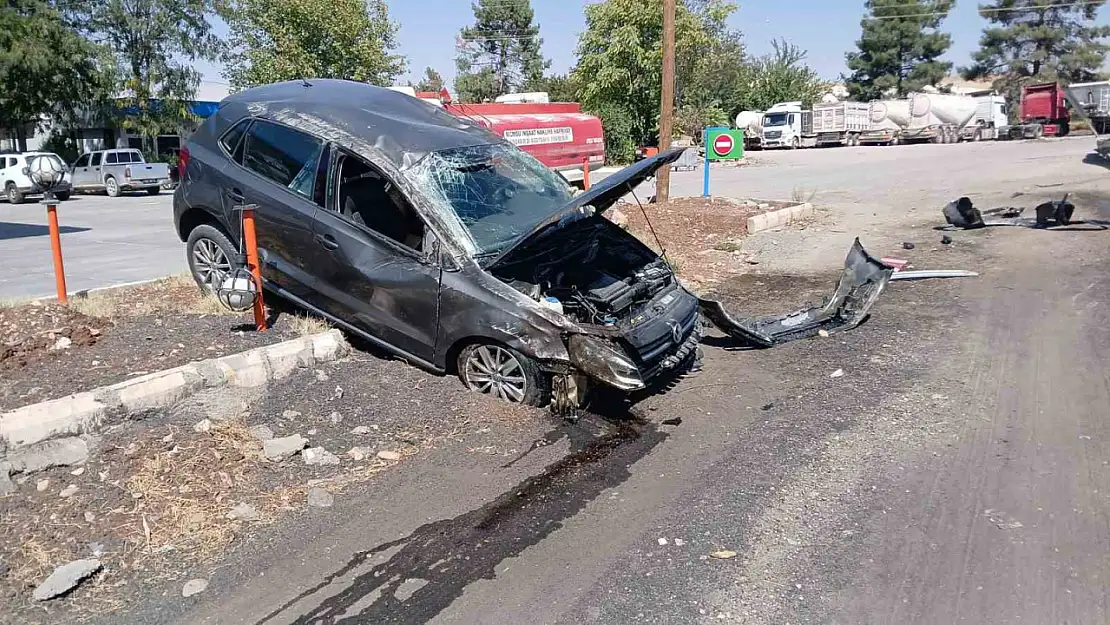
point(722, 145)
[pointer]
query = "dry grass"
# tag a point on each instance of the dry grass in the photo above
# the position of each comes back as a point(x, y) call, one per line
point(173, 295)
point(307, 325)
point(803, 195)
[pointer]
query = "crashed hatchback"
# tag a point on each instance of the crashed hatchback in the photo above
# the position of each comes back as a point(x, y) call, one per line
point(439, 241)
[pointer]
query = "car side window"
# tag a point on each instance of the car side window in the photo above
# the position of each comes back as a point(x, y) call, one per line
point(111, 159)
point(82, 161)
point(320, 194)
point(12, 162)
point(366, 197)
point(232, 141)
point(285, 156)
point(136, 157)
point(96, 159)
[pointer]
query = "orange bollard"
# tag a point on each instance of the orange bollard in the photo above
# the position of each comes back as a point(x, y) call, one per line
point(56, 247)
point(586, 174)
point(252, 264)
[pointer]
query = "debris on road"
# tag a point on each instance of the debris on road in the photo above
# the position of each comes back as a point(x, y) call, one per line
point(285, 447)
point(933, 273)
point(908, 246)
point(724, 554)
point(861, 282)
point(243, 511)
point(673, 421)
point(1000, 521)
point(946, 240)
point(319, 456)
point(194, 587)
point(65, 578)
point(320, 498)
point(962, 214)
point(389, 455)
point(837, 374)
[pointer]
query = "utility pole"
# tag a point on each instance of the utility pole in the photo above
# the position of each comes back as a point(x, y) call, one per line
point(666, 101)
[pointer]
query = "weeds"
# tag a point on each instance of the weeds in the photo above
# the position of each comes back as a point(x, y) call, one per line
point(306, 325)
point(801, 195)
point(728, 246)
point(173, 295)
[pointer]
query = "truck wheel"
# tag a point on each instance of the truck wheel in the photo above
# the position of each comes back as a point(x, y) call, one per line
point(794, 143)
point(502, 372)
point(111, 186)
point(978, 136)
point(1038, 131)
point(154, 190)
point(14, 196)
point(1063, 129)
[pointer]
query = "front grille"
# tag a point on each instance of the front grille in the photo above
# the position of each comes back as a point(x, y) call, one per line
point(667, 339)
point(773, 134)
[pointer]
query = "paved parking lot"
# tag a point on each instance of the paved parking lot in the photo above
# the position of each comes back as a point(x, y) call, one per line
point(105, 241)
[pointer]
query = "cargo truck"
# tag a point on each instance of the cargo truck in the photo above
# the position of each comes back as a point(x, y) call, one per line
point(840, 123)
point(787, 125)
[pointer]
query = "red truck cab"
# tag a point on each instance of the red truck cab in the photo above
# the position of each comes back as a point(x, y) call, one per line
point(1045, 104)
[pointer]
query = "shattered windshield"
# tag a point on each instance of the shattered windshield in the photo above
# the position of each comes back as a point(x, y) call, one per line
point(774, 119)
point(498, 192)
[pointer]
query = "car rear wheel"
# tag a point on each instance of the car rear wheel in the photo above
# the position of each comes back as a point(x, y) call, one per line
point(111, 187)
point(502, 372)
point(62, 195)
point(154, 190)
point(210, 256)
point(14, 196)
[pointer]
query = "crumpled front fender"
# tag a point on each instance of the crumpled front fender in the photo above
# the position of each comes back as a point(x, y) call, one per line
point(861, 282)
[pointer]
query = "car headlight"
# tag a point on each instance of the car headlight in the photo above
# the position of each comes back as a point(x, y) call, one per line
point(603, 362)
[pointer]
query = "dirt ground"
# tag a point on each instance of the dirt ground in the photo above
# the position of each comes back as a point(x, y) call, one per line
point(49, 351)
point(701, 237)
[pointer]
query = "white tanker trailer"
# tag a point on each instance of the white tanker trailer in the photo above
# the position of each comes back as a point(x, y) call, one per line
point(888, 119)
point(938, 117)
point(751, 122)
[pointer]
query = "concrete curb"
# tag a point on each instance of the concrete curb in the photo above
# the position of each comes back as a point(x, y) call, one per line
point(84, 413)
point(779, 218)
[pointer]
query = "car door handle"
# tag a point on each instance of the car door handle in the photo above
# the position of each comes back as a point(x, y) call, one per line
point(327, 241)
point(235, 194)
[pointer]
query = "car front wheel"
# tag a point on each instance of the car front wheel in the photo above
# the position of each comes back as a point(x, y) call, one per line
point(210, 256)
point(14, 196)
point(502, 372)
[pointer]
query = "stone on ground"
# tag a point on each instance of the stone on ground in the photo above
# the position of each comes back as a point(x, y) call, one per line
point(320, 498)
point(285, 447)
point(65, 578)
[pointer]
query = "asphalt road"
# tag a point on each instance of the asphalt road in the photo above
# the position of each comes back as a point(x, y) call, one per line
point(105, 241)
point(109, 241)
point(957, 471)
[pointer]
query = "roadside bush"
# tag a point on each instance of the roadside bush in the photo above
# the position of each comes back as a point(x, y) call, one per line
point(618, 125)
point(62, 145)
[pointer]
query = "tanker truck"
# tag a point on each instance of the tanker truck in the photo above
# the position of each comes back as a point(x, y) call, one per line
point(888, 119)
point(988, 120)
point(751, 122)
point(937, 117)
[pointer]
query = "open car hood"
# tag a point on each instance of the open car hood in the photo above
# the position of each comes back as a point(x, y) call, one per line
point(601, 197)
point(863, 279)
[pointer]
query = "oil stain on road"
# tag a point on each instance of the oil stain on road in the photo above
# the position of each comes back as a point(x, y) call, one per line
point(431, 567)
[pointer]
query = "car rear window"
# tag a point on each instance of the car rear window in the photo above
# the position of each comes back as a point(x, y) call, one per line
point(136, 157)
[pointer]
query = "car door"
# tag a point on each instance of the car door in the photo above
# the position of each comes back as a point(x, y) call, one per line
point(372, 262)
point(79, 173)
point(279, 168)
point(96, 177)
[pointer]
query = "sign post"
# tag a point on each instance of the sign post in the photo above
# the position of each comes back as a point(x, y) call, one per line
point(721, 144)
point(56, 247)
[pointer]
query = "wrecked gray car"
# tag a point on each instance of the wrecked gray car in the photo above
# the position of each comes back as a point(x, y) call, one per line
point(437, 240)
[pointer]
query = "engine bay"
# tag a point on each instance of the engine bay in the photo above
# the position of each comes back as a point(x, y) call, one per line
point(590, 273)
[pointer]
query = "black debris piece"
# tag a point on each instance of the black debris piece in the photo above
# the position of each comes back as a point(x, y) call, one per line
point(946, 239)
point(908, 246)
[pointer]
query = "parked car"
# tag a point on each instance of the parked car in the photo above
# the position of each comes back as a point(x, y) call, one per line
point(118, 171)
point(445, 244)
point(18, 185)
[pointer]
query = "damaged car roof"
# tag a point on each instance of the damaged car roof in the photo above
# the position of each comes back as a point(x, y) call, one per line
point(401, 127)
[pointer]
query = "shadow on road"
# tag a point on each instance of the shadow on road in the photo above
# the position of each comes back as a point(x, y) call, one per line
point(13, 230)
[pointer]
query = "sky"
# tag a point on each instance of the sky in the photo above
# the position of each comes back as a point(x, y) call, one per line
point(825, 28)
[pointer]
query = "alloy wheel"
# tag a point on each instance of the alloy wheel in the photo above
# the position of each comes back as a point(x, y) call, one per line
point(209, 262)
point(495, 371)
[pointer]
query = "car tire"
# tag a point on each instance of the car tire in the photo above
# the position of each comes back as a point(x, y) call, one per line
point(210, 254)
point(520, 379)
point(111, 187)
point(154, 190)
point(62, 196)
point(13, 193)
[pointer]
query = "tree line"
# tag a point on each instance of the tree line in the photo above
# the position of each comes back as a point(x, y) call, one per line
point(133, 61)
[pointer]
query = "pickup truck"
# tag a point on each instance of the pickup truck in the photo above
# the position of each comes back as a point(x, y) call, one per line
point(116, 171)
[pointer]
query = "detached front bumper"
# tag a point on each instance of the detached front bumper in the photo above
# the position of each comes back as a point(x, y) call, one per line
point(861, 282)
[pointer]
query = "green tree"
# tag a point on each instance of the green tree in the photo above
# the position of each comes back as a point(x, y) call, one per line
point(431, 81)
point(276, 40)
point(1039, 40)
point(781, 76)
point(500, 53)
point(900, 48)
point(155, 44)
point(619, 70)
point(47, 68)
point(559, 88)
